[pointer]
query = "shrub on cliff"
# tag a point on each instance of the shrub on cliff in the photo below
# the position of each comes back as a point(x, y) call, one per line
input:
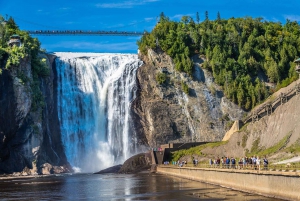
point(15, 56)
point(185, 88)
point(161, 78)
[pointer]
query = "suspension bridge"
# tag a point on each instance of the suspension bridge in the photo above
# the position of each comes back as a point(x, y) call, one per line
point(84, 32)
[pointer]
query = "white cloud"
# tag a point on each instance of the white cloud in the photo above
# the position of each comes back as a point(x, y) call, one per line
point(124, 4)
point(292, 17)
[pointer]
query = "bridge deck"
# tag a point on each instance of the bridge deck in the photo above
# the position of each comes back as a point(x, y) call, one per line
point(82, 32)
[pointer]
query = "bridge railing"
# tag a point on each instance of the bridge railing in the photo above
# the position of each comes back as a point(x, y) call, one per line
point(269, 167)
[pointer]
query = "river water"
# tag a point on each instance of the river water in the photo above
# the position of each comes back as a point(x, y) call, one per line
point(142, 186)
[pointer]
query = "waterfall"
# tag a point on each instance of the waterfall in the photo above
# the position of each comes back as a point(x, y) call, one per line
point(94, 96)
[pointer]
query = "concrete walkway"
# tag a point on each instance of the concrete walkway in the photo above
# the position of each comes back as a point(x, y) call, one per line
point(291, 160)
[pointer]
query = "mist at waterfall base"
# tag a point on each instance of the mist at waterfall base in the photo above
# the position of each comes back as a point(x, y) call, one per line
point(94, 93)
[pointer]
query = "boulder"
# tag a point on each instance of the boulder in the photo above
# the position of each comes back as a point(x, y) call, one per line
point(60, 169)
point(46, 169)
point(136, 164)
point(113, 169)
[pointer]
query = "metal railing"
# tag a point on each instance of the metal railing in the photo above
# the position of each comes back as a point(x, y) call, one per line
point(269, 106)
point(247, 167)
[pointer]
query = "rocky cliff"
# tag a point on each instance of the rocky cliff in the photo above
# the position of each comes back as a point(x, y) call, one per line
point(28, 137)
point(164, 113)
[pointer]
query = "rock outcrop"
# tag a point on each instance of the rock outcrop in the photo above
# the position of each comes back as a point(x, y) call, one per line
point(28, 137)
point(47, 169)
point(136, 164)
point(113, 169)
point(164, 113)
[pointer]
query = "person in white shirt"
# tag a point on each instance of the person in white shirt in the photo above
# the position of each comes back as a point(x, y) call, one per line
point(258, 163)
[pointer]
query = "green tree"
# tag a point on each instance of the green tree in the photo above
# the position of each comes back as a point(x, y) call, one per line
point(197, 18)
point(218, 17)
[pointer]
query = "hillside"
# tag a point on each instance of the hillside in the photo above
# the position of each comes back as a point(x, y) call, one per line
point(247, 57)
point(275, 136)
point(243, 60)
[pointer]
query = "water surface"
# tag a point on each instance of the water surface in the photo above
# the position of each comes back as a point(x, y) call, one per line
point(142, 186)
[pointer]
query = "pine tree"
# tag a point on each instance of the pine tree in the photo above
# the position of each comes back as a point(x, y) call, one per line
point(206, 16)
point(197, 18)
point(218, 17)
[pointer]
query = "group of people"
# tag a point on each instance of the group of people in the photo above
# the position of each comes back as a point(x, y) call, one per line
point(182, 163)
point(253, 162)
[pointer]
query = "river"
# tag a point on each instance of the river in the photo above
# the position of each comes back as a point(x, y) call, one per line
point(142, 186)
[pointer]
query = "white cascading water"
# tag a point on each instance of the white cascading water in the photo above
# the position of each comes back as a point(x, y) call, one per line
point(94, 93)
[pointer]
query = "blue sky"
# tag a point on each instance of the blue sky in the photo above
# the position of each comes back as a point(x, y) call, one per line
point(127, 15)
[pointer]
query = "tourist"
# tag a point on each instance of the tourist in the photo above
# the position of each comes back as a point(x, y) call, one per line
point(232, 162)
point(210, 162)
point(254, 162)
point(247, 162)
point(266, 162)
point(258, 163)
point(224, 162)
point(250, 162)
point(227, 162)
point(244, 162)
point(218, 161)
point(241, 163)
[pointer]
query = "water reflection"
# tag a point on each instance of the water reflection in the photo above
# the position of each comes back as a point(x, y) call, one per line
point(143, 186)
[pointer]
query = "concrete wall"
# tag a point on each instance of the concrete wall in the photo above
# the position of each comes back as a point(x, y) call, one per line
point(235, 127)
point(178, 146)
point(273, 185)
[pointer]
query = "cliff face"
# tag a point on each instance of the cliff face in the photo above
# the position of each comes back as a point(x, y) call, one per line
point(164, 113)
point(15, 126)
point(28, 138)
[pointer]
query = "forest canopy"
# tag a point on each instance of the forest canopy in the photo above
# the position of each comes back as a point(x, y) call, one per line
point(243, 54)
